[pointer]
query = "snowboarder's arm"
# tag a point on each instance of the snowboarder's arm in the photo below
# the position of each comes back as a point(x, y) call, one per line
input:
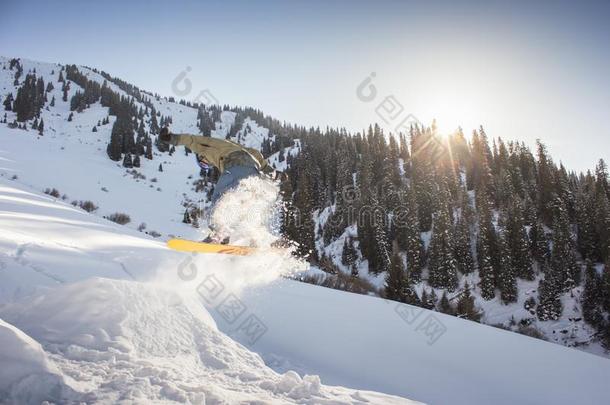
point(181, 139)
point(211, 149)
point(190, 141)
point(256, 154)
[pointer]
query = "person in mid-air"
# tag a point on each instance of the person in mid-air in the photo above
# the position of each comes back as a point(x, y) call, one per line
point(234, 162)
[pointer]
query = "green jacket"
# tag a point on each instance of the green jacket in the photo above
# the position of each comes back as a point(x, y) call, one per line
point(220, 152)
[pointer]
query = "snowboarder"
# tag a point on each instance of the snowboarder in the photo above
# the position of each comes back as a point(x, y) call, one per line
point(234, 162)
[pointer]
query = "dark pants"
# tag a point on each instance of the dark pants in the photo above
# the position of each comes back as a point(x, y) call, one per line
point(231, 177)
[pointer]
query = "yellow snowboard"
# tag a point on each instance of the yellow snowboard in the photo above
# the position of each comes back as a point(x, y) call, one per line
point(184, 245)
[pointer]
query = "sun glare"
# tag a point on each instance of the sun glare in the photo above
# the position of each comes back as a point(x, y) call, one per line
point(452, 106)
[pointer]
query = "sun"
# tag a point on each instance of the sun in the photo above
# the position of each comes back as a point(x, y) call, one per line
point(452, 107)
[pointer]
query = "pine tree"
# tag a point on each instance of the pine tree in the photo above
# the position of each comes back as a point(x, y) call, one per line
point(465, 306)
point(115, 145)
point(186, 218)
point(428, 299)
point(444, 305)
point(507, 281)
point(408, 237)
point(486, 247)
point(605, 287)
point(299, 225)
point(432, 300)
point(601, 178)
point(396, 280)
point(160, 167)
point(379, 261)
point(127, 161)
point(545, 191)
point(462, 248)
point(586, 237)
point(349, 256)
point(479, 175)
point(592, 296)
point(8, 102)
point(28, 101)
point(153, 125)
point(136, 161)
point(41, 127)
point(128, 144)
point(602, 224)
point(539, 244)
point(443, 265)
point(563, 260)
point(549, 307)
point(518, 242)
point(344, 204)
point(424, 300)
point(605, 333)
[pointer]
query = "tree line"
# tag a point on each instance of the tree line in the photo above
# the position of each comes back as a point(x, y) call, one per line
point(487, 206)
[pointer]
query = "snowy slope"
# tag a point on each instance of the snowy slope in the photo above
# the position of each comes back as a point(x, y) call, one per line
point(350, 340)
point(403, 350)
point(67, 334)
point(569, 330)
point(151, 338)
point(72, 158)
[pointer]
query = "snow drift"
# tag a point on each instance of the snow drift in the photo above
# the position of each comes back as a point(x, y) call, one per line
point(122, 340)
point(27, 375)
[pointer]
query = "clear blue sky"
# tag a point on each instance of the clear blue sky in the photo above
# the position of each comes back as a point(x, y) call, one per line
point(523, 71)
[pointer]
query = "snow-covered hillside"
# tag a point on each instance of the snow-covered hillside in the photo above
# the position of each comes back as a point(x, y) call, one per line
point(570, 330)
point(94, 312)
point(97, 312)
point(73, 159)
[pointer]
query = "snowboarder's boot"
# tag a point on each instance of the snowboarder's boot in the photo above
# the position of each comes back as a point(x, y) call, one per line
point(216, 239)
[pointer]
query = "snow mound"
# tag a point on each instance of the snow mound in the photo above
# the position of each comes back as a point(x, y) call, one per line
point(123, 340)
point(27, 375)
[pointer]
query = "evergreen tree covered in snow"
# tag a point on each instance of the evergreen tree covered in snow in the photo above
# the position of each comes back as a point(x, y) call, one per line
point(465, 306)
point(398, 287)
point(408, 236)
point(443, 264)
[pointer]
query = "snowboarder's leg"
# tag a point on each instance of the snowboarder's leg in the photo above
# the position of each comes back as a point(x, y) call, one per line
point(230, 178)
